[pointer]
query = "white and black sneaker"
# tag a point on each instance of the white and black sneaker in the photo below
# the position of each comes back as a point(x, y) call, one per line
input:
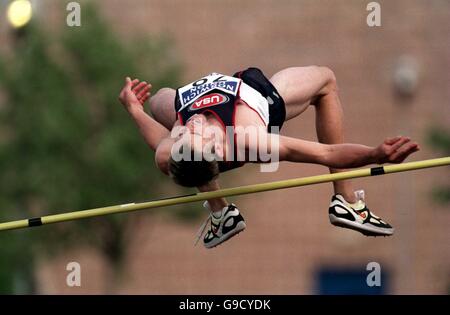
point(357, 216)
point(228, 223)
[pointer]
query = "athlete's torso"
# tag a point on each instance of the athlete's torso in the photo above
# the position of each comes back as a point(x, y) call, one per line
point(219, 95)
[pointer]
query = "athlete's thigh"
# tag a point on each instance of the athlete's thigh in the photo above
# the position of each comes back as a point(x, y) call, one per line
point(298, 86)
point(162, 107)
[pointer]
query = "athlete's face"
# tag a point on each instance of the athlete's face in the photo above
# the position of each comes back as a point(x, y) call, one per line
point(202, 134)
point(194, 131)
point(196, 124)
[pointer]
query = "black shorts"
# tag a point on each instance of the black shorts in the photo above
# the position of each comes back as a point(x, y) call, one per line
point(257, 80)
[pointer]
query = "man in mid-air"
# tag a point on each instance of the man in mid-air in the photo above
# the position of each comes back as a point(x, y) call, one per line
point(248, 100)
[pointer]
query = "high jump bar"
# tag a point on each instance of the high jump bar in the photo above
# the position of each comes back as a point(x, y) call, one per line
point(227, 192)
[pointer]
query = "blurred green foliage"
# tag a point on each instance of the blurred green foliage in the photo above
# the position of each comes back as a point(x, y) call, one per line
point(66, 143)
point(439, 139)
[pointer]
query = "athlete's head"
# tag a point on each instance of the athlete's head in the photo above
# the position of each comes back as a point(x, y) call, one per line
point(193, 159)
point(193, 173)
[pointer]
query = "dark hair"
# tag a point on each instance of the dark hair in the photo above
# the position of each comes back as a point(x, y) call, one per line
point(193, 173)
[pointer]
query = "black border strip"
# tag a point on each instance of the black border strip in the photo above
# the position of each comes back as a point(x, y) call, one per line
point(34, 222)
point(374, 171)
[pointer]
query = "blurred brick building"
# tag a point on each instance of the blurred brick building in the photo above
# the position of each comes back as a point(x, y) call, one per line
point(289, 245)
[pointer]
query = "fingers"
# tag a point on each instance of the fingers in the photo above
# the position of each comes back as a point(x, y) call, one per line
point(392, 140)
point(144, 91)
point(145, 98)
point(140, 90)
point(130, 83)
point(400, 142)
point(138, 87)
point(403, 152)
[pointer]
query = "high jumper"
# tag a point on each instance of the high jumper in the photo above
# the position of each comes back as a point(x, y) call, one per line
point(182, 119)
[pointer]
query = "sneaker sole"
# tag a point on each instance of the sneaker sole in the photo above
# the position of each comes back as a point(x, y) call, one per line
point(239, 228)
point(364, 229)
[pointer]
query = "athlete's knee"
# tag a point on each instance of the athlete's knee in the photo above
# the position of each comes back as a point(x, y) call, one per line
point(328, 84)
point(157, 100)
point(329, 77)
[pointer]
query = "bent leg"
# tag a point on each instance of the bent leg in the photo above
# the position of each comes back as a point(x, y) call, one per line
point(300, 87)
point(162, 107)
point(304, 86)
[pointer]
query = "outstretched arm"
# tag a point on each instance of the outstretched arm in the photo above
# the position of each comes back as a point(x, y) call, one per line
point(133, 96)
point(346, 155)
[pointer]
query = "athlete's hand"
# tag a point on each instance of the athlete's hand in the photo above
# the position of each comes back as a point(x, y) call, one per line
point(395, 150)
point(134, 94)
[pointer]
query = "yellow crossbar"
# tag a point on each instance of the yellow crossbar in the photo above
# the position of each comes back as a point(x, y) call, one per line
point(242, 190)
